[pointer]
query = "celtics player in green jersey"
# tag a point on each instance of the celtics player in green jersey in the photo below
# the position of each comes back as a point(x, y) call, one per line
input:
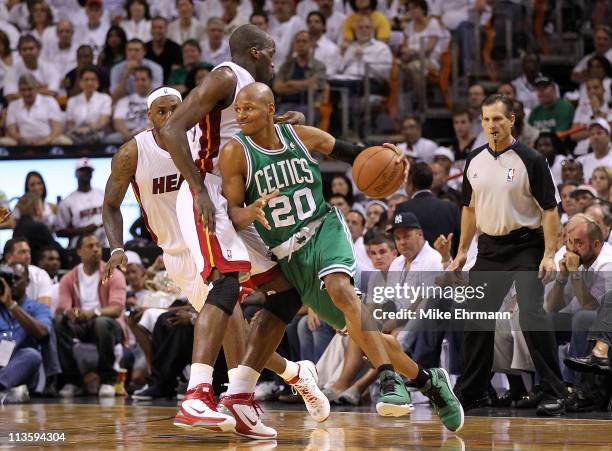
point(270, 169)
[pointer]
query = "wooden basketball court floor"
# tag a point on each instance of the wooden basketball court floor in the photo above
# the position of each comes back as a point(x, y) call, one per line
point(121, 424)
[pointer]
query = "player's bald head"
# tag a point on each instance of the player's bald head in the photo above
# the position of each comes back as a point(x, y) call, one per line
point(256, 92)
point(246, 37)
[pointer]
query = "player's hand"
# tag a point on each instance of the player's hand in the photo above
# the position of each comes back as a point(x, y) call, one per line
point(459, 262)
point(205, 210)
point(117, 260)
point(547, 270)
point(401, 158)
point(257, 209)
point(291, 118)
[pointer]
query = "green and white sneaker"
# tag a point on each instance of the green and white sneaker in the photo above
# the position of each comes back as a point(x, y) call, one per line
point(394, 400)
point(441, 395)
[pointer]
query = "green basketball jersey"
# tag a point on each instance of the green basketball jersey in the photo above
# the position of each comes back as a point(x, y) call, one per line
point(295, 173)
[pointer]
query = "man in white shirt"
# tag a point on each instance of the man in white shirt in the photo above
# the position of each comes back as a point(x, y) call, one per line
point(595, 106)
point(599, 140)
point(130, 115)
point(602, 43)
point(61, 48)
point(356, 224)
point(123, 75)
point(334, 20)
point(17, 250)
point(366, 50)
point(93, 32)
point(80, 213)
point(34, 119)
point(414, 142)
point(324, 49)
point(50, 261)
point(283, 26)
point(46, 74)
point(215, 48)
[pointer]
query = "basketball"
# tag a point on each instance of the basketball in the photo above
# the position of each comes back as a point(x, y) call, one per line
point(375, 172)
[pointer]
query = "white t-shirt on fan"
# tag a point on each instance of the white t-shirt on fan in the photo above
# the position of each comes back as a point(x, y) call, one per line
point(88, 289)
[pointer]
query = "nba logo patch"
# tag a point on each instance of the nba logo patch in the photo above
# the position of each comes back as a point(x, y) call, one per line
point(510, 175)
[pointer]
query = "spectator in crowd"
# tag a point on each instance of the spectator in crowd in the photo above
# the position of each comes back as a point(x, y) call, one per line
point(597, 67)
point(602, 43)
point(232, 16)
point(85, 58)
point(30, 225)
point(440, 187)
point(525, 85)
point(508, 90)
point(376, 215)
point(475, 97)
point(88, 114)
point(568, 204)
point(314, 336)
point(162, 50)
point(50, 261)
point(41, 21)
point(367, 50)
point(11, 32)
point(186, 26)
point(92, 313)
point(334, 20)
point(260, 20)
point(191, 60)
point(215, 48)
point(46, 74)
point(603, 218)
point(392, 202)
point(414, 142)
point(325, 50)
point(381, 27)
point(35, 119)
point(421, 30)
point(17, 250)
point(196, 75)
point(356, 224)
point(114, 48)
point(80, 213)
point(521, 128)
point(552, 113)
point(571, 170)
point(340, 202)
point(602, 181)
point(583, 196)
point(34, 183)
point(298, 75)
point(123, 82)
point(599, 141)
point(341, 184)
point(61, 49)
point(93, 31)
point(138, 23)
point(284, 23)
point(436, 217)
point(465, 138)
point(587, 111)
point(445, 158)
point(549, 145)
point(130, 116)
point(28, 324)
point(6, 58)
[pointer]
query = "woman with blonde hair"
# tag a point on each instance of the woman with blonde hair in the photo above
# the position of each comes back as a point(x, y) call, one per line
point(602, 180)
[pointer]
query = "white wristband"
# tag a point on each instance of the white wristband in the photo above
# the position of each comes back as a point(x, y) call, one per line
point(117, 249)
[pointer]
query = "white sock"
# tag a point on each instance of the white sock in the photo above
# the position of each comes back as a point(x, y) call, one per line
point(242, 380)
point(291, 370)
point(200, 374)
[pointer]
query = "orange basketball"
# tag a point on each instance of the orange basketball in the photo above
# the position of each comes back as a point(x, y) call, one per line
point(375, 172)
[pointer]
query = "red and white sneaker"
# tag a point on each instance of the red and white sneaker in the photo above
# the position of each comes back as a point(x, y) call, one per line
point(245, 410)
point(198, 410)
point(305, 383)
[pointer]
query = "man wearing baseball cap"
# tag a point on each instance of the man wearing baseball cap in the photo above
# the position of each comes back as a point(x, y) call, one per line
point(81, 212)
point(599, 141)
point(552, 114)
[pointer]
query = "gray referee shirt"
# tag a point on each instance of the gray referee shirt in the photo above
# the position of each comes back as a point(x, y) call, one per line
point(508, 189)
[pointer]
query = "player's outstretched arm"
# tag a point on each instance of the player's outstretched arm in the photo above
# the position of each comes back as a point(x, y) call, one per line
point(216, 91)
point(123, 169)
point(232, 164)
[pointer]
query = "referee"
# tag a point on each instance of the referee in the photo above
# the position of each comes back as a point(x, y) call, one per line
point(510, 197)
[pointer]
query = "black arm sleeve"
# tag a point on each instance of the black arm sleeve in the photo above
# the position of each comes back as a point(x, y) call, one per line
point(345, 151)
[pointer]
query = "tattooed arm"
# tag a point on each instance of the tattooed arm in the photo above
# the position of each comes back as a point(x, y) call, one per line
point(123, 169)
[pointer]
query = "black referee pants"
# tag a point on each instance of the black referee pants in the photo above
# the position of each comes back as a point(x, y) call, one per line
point(500, 262)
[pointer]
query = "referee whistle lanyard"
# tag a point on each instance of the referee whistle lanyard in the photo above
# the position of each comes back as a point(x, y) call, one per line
point(497, 154)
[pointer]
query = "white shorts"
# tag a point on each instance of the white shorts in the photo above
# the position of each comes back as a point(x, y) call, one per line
point(182, 270)
point(226, 250)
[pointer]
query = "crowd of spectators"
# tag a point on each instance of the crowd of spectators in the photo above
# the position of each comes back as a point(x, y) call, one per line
point(80, 73)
